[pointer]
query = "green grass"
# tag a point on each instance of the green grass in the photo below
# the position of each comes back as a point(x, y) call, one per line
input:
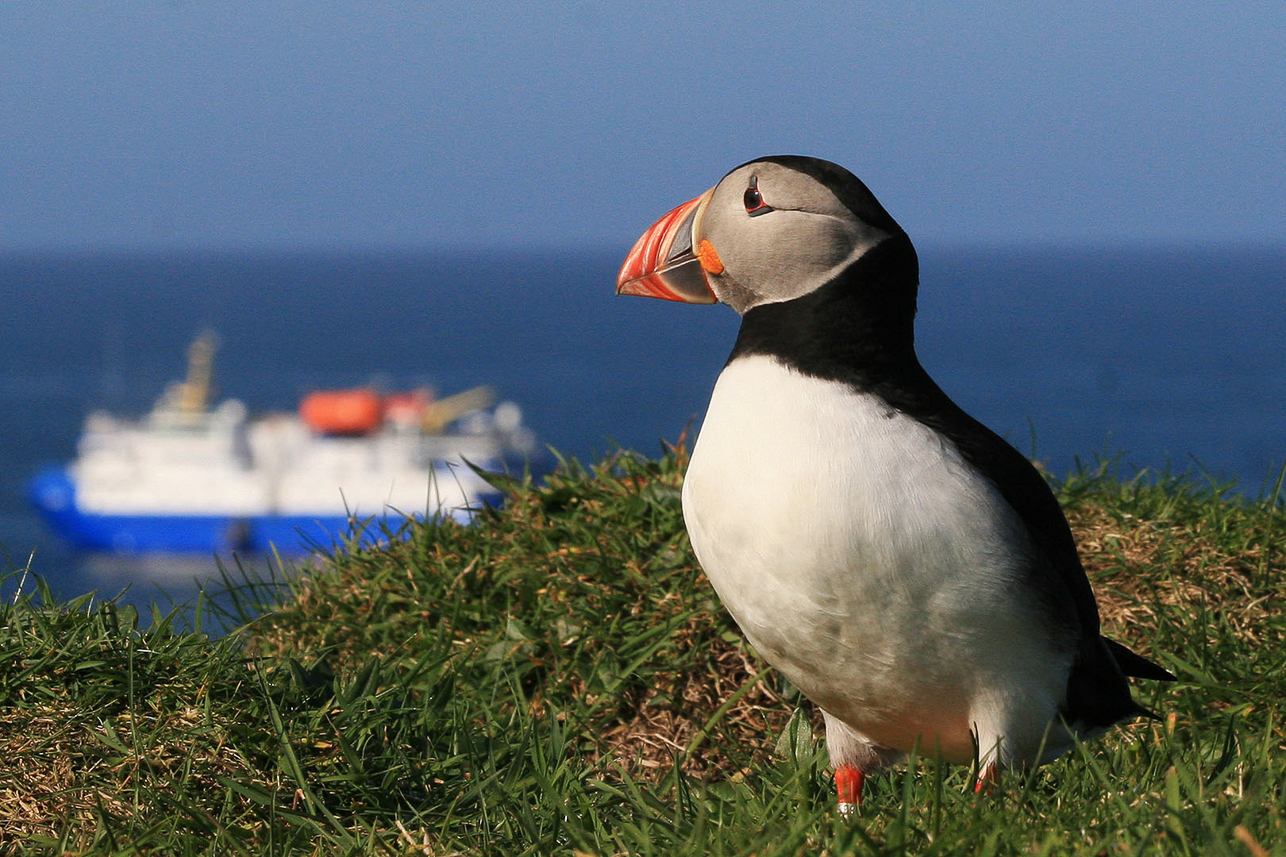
point(560, 679)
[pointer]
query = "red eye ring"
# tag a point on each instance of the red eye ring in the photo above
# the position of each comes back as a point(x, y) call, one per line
point(754, 200)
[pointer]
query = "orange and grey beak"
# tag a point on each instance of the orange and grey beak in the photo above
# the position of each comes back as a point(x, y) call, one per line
point(665, 262)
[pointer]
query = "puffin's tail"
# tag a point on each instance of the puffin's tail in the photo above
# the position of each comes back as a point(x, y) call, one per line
point(1136, 665)
point(1098, 691)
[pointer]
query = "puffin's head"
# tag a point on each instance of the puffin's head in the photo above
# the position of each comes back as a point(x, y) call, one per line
point(771, 230)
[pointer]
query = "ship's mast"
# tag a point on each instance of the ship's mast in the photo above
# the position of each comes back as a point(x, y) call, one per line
point(194, 391)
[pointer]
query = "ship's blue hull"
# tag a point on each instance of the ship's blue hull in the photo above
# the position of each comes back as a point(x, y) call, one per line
point(54, 494)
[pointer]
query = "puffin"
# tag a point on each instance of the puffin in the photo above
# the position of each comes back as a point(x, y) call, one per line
point(902, 565)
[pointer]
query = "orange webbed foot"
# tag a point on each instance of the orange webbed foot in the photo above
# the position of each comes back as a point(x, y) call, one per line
point(987, 779)
point(848, 789)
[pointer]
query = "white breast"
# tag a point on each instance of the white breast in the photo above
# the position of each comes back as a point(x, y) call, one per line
point(872, 565)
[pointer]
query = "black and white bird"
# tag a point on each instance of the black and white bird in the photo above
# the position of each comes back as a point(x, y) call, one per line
point(902, 565)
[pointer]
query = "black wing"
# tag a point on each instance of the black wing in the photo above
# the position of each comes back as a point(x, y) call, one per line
point(1098, 693)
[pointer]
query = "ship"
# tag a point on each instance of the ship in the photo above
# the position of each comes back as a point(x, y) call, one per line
point(192, 477)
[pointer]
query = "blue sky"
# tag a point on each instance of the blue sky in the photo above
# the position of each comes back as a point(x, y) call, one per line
point(234, 124)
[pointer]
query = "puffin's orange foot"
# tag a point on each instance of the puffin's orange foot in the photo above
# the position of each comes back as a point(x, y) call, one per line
point(848, 788)
point(987, 779)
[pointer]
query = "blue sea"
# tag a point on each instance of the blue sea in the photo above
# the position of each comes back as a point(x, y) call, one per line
point(1161, 359)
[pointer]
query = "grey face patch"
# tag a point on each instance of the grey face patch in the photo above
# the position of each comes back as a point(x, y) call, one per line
point(798, 234)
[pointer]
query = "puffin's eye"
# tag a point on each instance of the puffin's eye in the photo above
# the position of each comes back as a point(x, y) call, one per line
point(754, 200)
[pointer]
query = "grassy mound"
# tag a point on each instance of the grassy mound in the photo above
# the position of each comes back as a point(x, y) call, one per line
point(559, 678)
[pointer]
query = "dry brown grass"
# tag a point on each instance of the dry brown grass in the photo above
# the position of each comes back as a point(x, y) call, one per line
point(63, 770)
point(1124, 554)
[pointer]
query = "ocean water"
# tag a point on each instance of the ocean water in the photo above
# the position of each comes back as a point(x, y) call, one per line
point(1164, 359)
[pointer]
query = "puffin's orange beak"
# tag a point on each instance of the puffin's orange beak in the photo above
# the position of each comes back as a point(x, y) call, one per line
point(664, 262)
